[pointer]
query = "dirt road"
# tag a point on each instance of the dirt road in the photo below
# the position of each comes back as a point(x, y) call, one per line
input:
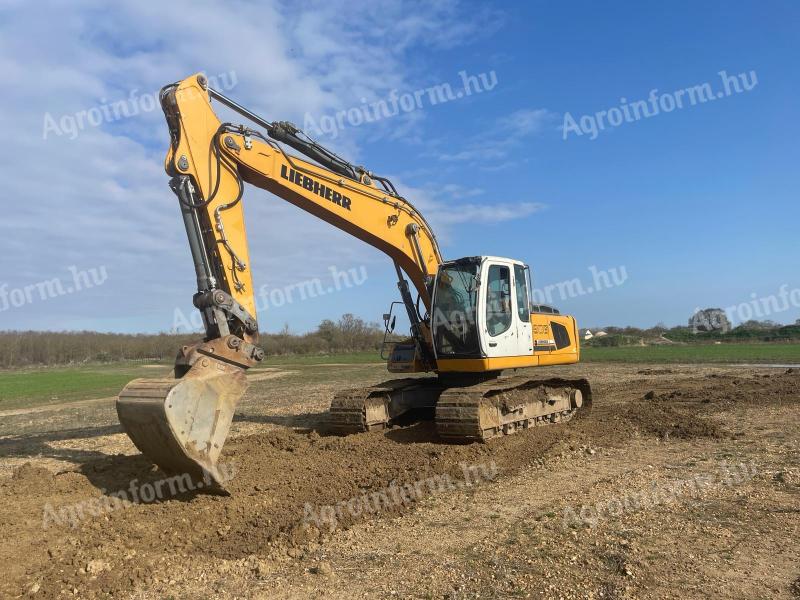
point(681, 482)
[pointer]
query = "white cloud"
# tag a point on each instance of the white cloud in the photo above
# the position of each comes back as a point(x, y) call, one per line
point(445, 206)
point(489, 213)
point(102, 198)
point(527, 121)
point(457, 192)
point(505, 136)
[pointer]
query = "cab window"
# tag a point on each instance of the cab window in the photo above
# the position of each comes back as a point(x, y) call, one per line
point(560, 335)
point(455, 311)
point(521, 287)
point(498, 299)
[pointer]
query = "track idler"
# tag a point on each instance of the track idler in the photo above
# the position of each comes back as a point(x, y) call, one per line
point(181, 423)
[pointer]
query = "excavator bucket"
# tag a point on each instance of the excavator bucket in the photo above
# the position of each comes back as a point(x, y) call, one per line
point(181, 424)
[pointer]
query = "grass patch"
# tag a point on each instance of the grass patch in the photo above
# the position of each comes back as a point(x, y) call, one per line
point(351, 358)
point(24, 388)
point(701, 353)
point(32, 387)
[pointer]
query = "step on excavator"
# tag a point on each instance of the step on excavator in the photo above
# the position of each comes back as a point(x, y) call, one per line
point(472, 324)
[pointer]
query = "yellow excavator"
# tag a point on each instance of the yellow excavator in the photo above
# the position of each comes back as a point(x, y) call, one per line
point(472, 323)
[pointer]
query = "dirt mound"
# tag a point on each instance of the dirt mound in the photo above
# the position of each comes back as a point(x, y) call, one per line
point(28, 472)
point(292, 489)
point(667, 421)
point(716, 388)
point(28, 478)
point(677, 409)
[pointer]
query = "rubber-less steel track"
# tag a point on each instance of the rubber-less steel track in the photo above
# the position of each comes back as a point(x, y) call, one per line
point(466, 413)
point(351, 411)
point(504, 406)
point(374, 407)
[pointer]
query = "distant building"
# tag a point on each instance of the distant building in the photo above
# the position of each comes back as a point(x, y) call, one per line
point(710, 319)
point(588, 335)
point(600, 334)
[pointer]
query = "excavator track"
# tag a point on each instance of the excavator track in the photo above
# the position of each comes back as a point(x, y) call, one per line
point(356, 411)
point(466, 413)
point(505, 406)
point(376, 407)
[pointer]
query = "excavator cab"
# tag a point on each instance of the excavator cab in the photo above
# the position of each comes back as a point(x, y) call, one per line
point(481, 310)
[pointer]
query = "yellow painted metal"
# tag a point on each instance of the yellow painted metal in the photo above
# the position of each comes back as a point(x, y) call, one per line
point(543, 330)
point(198, 126)
point(359, 208)
point(364, 211)
point(557, 358)
point(481, 365)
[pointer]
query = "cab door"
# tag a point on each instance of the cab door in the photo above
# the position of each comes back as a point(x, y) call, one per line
point(499, 323)
point(522, 310)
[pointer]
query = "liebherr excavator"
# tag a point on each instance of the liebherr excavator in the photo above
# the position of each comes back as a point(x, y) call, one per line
point(472, 323)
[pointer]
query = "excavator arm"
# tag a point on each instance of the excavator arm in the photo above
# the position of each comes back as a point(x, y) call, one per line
point(210, 161)
point(181, 423)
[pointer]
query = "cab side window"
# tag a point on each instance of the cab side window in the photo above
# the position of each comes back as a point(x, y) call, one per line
point(521, 286)
point(560, 335)
point(498, 299)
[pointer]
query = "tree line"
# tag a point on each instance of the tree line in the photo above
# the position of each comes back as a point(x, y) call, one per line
point(30, 348)
point(750, 331)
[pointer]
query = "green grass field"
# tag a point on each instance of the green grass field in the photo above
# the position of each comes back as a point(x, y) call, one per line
point(52, 385)
point(706, 353)
point(24, 388)
point(781, 353)
point(32, 387)
point(353, 358)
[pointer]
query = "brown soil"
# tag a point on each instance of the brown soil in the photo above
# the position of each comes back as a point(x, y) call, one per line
point(511, 534)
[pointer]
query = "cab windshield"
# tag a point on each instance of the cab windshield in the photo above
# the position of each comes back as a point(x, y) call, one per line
point(455, 330)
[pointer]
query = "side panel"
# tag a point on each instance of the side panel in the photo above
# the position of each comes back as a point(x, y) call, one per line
point(555, 339)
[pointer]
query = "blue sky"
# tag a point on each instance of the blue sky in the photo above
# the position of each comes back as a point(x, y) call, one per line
point(697, 206)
